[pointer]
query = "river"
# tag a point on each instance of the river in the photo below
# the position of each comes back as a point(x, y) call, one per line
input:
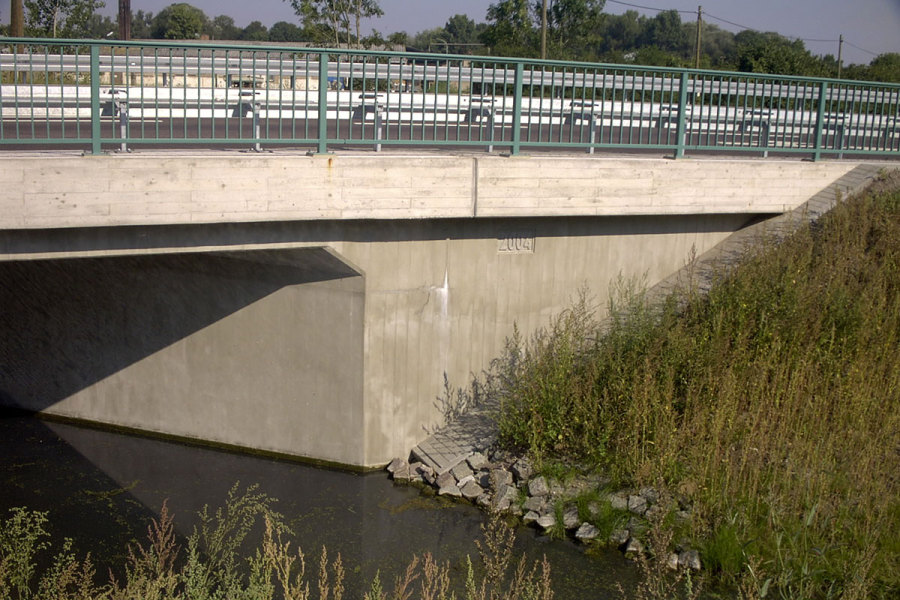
point(102, 488)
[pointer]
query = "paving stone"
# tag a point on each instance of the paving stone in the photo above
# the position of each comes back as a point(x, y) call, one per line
point(618, 501)
point(477, 461)
point(535, 503)
point(689, 559)
point(633, 545)
point(505, 496)
point(402, 473)
point(649, 494)
point(471, 490)
point(570, 517)
point(637, 504)
point(521, 469)
point(538, 486)
point(587, 532)
point(619, 536)
point(450, 490)
point(395, 464)
point(500, 477)
point(445, 479)
point(546, 522)
point(461, 471)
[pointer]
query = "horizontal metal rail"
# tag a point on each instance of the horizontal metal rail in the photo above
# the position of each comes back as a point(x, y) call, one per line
point(119, 95)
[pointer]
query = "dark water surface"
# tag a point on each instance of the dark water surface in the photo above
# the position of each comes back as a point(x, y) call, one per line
point(102, 489)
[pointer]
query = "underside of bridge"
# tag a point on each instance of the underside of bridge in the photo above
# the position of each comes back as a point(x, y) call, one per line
point(329, 340)
point(257, 349)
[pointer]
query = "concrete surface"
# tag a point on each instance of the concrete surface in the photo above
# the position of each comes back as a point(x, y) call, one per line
point(476, 431)
point(314, 306)
point(232, 187)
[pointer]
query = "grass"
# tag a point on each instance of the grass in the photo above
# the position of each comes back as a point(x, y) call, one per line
point(773, 404)
point(216, 563)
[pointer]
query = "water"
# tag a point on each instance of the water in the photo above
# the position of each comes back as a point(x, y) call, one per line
point(102, 488)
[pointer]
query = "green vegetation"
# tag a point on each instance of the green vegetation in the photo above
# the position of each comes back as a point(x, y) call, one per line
point(216, 563)
point(773, 404)
point(576, 30)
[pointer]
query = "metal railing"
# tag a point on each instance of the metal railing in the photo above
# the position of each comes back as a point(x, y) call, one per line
point(119, 95)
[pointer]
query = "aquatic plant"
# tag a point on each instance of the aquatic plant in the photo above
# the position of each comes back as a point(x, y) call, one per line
point(215, 563)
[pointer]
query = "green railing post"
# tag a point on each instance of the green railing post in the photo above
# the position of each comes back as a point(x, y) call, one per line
point(820, 120)
point(95, 100)
point(682, 115)
point(517, 108)
point(323, 103)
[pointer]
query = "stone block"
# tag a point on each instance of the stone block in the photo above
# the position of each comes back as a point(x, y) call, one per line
point(587, 532)
point(461, 471)
point(570, 517)
point(538, 486)
point(471, 490)
point(637, 504)
point(477, 461)
point(450, 490)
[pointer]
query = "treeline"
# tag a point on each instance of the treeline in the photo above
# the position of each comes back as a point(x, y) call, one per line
point(580, 30)
point(576, 30)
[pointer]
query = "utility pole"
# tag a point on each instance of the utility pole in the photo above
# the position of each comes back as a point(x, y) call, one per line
point(125, 19)
point(544, 30)
point(840, 53)
point(16, 19)
point(699, 25)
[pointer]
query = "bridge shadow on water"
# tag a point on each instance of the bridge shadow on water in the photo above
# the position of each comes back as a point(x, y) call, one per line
point(102, 489)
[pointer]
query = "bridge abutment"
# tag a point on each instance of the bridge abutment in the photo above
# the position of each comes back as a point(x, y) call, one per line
point(281, 318)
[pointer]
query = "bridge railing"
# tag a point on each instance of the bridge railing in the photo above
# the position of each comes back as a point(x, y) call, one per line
point(106, 95)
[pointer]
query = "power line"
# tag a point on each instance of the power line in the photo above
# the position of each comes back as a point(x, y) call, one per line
point(727, 21)
point(860, 49)
point(739, 26)
point(684, 12)
point(820, 40)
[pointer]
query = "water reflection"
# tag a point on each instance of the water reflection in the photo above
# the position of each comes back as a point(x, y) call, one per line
point(102, 489)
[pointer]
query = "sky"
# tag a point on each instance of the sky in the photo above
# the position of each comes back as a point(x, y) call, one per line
point(869, 27)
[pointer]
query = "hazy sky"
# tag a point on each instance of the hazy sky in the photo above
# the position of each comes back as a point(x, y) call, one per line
point(869, 25)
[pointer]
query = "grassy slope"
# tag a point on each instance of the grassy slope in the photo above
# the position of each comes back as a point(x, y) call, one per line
point(774, 404)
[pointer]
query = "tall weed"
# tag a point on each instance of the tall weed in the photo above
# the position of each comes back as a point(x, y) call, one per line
point(773, 402)
point(218, 566)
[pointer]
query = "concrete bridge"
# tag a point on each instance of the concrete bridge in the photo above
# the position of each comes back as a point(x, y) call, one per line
point(313, 306)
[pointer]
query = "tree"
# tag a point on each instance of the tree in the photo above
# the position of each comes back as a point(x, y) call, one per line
point(330, 20)
point(365, 9)
point(222, 27)
point(885, 67)
point(399, 38)
point(66, 18)
point(141, 25)
point(510, 30)
point(666, 33)
point(99, 26)
point(282, 31)
point(256, 32)
point(430, 39)
point(179, 21)
point(775, 54)
point(622, 32)
point(573, 28)
point(460, 29)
